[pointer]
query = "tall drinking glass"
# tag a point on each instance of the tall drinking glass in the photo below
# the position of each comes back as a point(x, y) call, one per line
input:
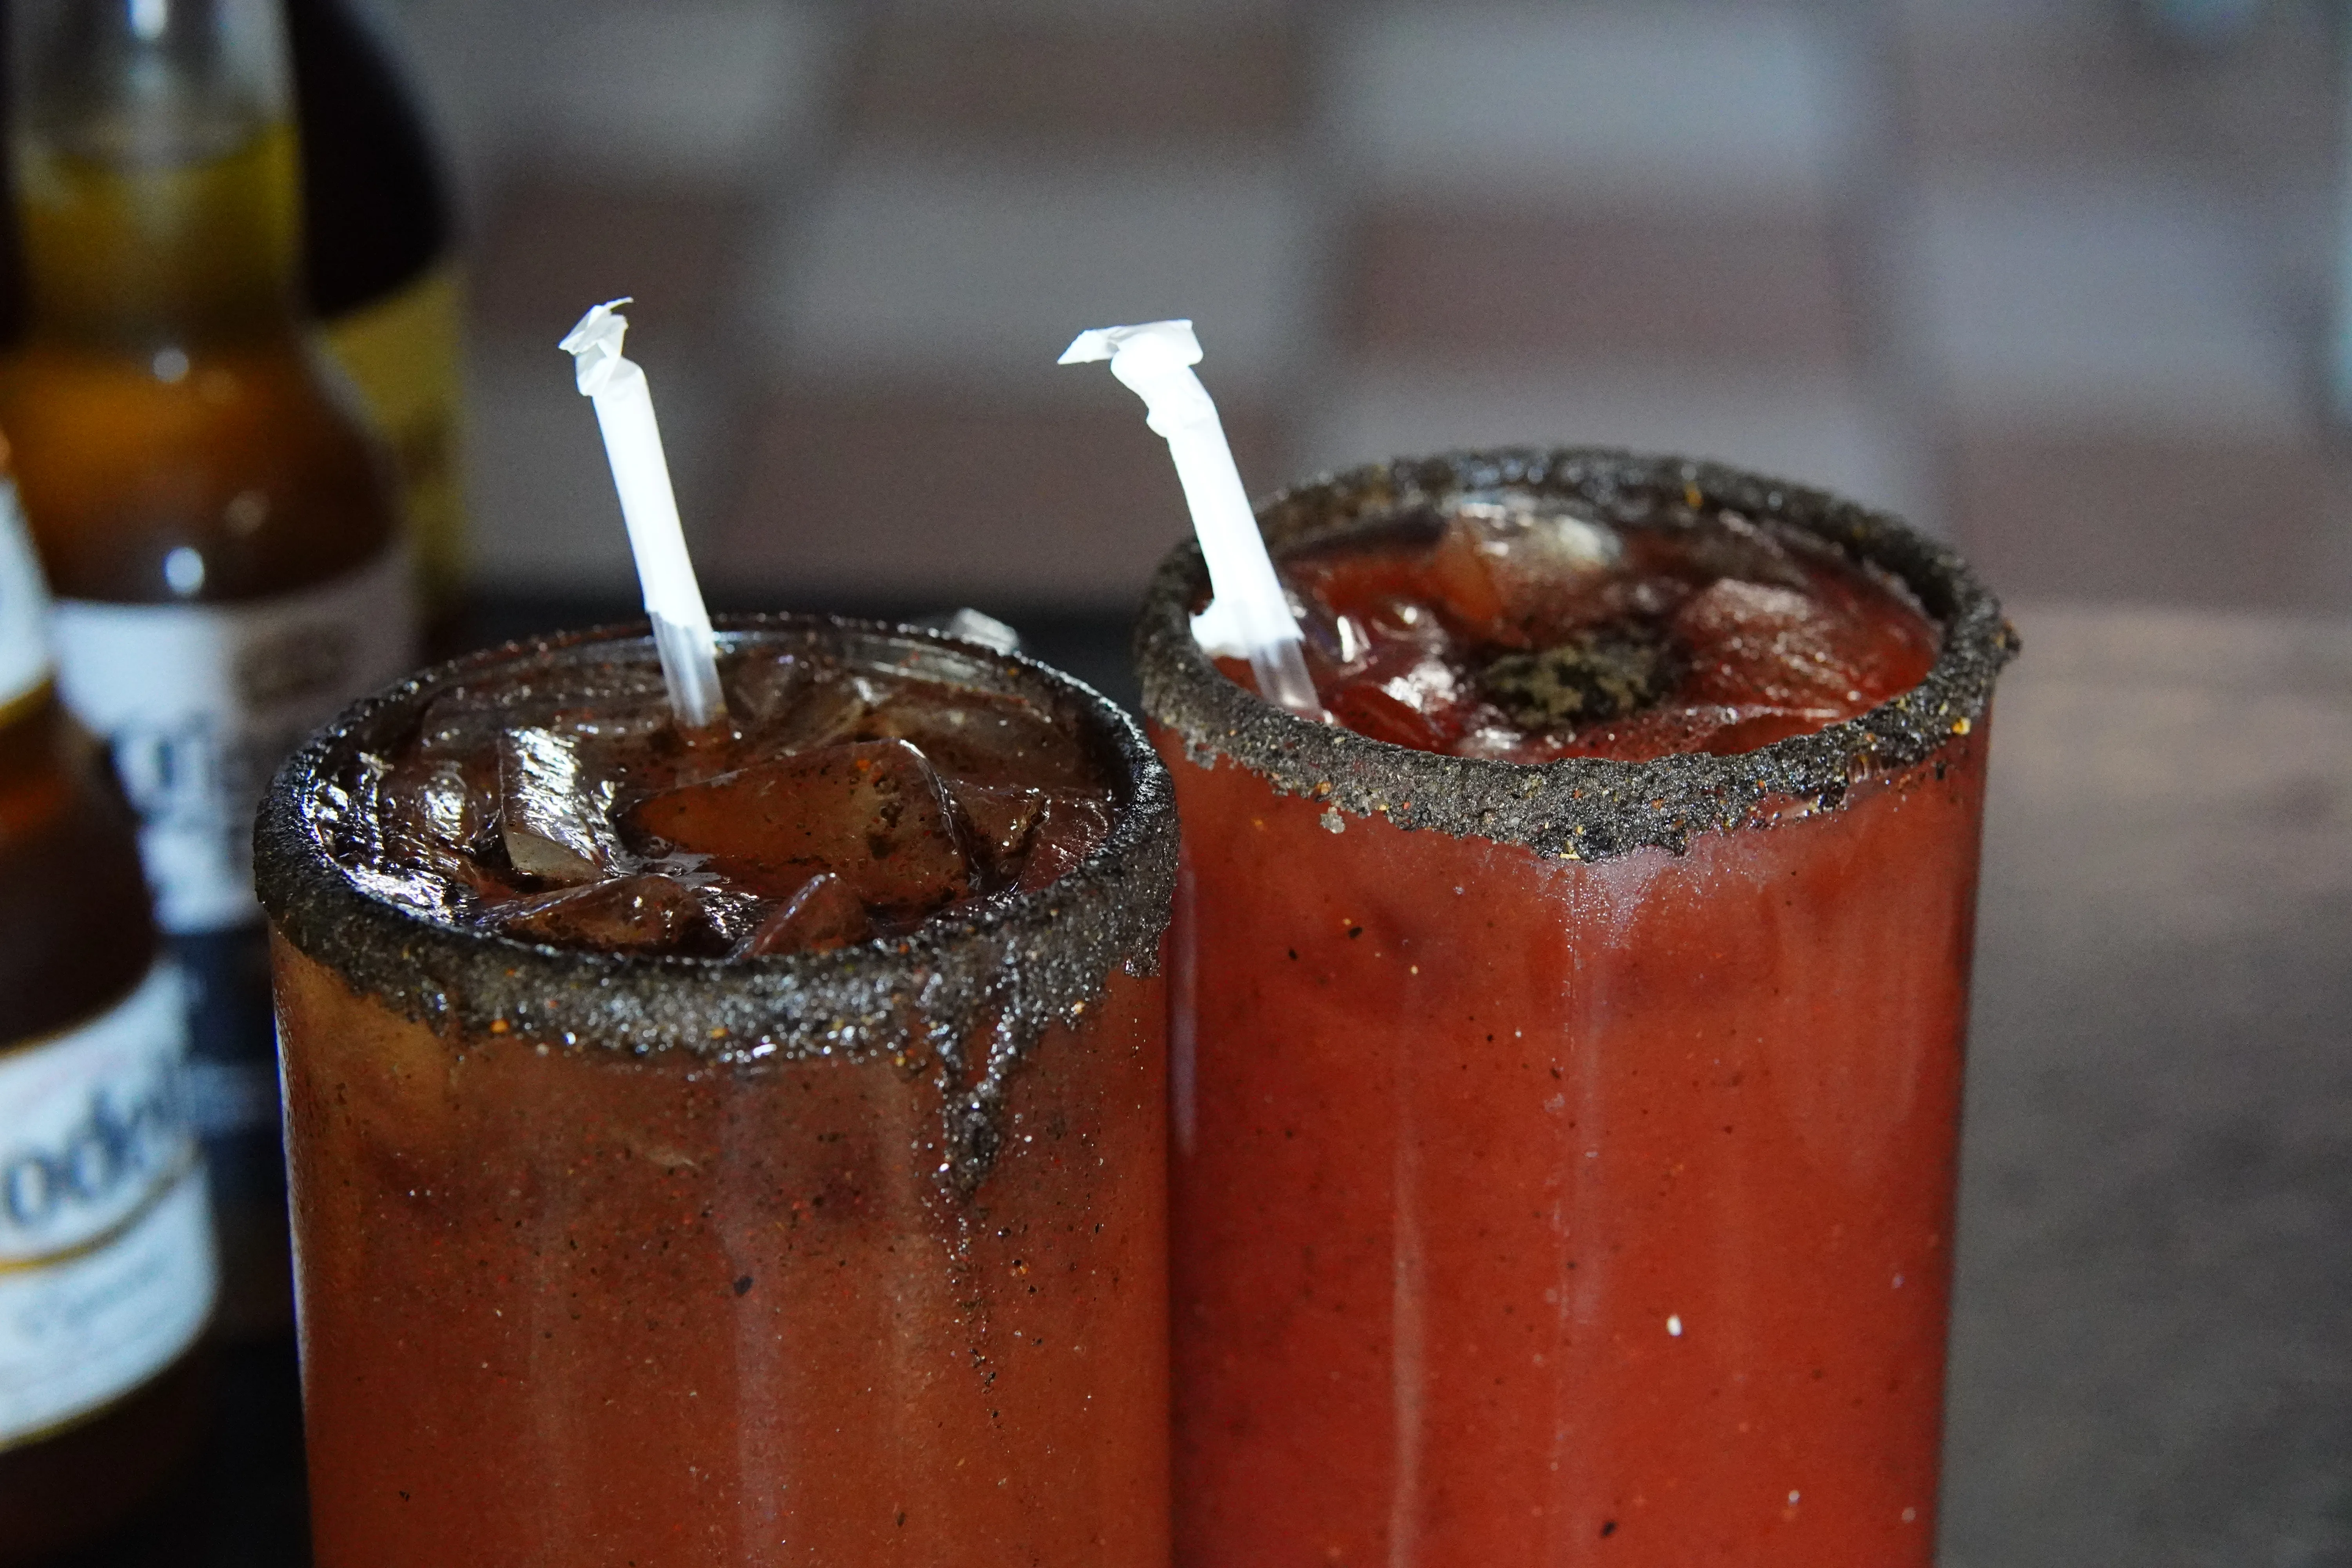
point(1564, 1153)
point(852, 1256)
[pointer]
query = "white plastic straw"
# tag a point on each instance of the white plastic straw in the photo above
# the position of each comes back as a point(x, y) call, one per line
point(1249, 613)
point(625, 413)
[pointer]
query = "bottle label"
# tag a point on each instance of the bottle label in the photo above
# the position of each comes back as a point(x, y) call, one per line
point(106, 1247)
point(24, 605)
point(201, 702)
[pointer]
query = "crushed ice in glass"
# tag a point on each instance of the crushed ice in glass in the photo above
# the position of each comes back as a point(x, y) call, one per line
point(837, 805)
point(1513, 626)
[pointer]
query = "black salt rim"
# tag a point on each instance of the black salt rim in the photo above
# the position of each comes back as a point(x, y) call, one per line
point(1001, 979)
point(1579, 808)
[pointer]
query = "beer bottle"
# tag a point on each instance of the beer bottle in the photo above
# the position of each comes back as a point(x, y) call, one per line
point(217, 525)
point(106, 1251)
point(380, 256)
point(380, 265)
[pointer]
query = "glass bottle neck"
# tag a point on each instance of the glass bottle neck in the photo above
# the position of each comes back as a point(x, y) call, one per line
point(156, 169)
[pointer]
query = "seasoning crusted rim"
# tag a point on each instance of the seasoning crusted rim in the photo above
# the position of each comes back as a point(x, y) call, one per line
point(1006, 975)
point(1579, 808)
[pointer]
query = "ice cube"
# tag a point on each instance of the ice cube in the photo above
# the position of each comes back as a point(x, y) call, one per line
point(383, 840)
point(997, 817)
point(1728, 545)
point(1404, 690)
point(1069, 827)
point(595, 699)
point(1428, 684)
point(438, 800)
point(872, 813)
point(730, 914)
point(759, 684)
point(555, 815)
point(824, 914)
point(1375, 643)
point(1350, 639)
point(1463, 572)
point(1369, 708)
point(1541, 534)
point(985, 739)
point(1350, 602)
point(627, 914)
point(795, 705)
point(1516, 567)
point(1386, 625)
point(1751, 645)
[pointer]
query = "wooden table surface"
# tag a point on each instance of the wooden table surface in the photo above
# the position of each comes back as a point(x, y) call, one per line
point(2152, 1349)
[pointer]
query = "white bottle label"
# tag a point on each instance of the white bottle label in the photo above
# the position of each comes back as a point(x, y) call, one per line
point(106, 1247)
point(201, 702)
point(24, 605)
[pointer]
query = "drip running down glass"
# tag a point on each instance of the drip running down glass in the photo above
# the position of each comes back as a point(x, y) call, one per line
point(674, 1192)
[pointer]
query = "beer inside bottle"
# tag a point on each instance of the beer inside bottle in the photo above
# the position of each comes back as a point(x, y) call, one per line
point(217, 525)
point(106, 1259)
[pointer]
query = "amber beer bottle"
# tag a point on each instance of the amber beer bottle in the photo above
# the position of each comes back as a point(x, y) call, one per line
point(218, 527)
point(380, 261)
point(105, 1256)
point(380, 266)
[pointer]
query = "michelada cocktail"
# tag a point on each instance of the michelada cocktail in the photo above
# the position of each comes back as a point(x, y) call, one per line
point(742, 1144)
point(1567, 1039)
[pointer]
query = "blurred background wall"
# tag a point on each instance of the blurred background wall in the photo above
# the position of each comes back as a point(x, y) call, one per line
point(2045, 275)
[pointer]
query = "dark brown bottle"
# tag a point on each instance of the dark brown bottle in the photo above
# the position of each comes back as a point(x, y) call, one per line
point(107, 1273)
point(380, 264)
point(218, 526)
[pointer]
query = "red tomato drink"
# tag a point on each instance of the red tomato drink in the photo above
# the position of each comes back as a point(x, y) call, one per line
point(1567, 1056)
point(737, 1148)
